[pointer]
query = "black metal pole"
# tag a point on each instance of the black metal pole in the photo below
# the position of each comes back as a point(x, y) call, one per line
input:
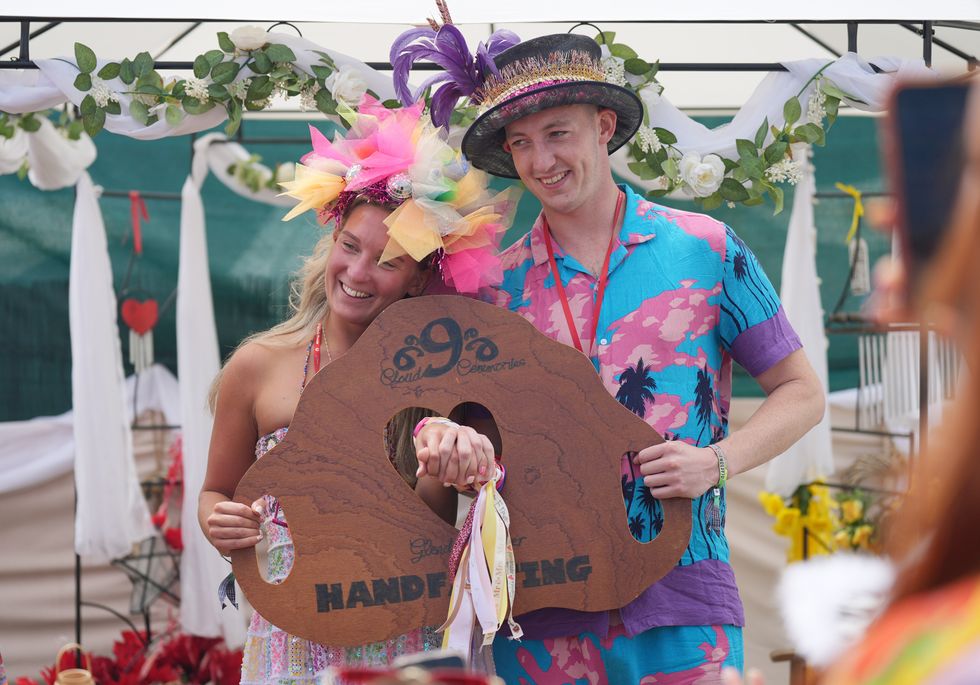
point(927, 42)
point(852, 36)
point(25, 40)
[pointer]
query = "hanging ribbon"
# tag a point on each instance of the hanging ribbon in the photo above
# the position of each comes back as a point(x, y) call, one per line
point(858, 208)
point(484, 583)
point(137, 207)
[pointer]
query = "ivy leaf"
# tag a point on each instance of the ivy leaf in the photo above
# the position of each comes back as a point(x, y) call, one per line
point(760, 135)
point(279, 53)
point(75, 128)
point(85, 58)
point(733, 191)
point(322, 73)
point(174, 115)
point(30, 123)
point(670, 169)
point(259, 88)
point(730, 164)
point(605, 37)
point(126, 72)
point(94, 122)
point(659, 192)
point(831, 90)
point(665, 136)
point(622, 51)
point(775, 152)
point(148, 89)
point(810, 133)
point(713, 201)
point(112, 107)
point(109, 71)
point(831, 106)
point(143, 64)
point(83, 82)
point(260, 64)
point(776, 195)
point(195, 106)
point(792, 111)
point(753, 201)
point(224, 73)
point(746, 149)
point(214, 56)
point(324, 102)
point(637, 66)
point(224, 42)
point(234, 109)
point(179, 89)
point(201, 66)
point(752, 166)
point(218, 92)
point(392, 103)
point(87, 107)
point(139, 111)
point(643, 170)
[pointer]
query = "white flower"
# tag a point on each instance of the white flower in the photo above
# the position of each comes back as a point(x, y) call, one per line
point(249, 37)
point(785, 171)
point(650, 94)
point(347, 85)
point(307, 97)
point(197, 88)
point(702, 176)
point(649, 142)
point(102, 93)
point(815, 111)
point(239, 89)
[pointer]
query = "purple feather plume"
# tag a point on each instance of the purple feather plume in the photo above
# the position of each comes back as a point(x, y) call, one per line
point(463, 73)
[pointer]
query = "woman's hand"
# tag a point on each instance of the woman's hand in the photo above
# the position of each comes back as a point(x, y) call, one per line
point(232, 525)
point(455, 455)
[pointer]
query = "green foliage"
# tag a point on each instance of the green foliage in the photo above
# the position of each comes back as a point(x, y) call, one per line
point(85, 58)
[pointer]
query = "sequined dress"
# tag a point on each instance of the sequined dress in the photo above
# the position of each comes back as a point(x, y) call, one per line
point(272, 655)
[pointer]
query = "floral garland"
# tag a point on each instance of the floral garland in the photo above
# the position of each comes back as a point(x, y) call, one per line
point(763, 163)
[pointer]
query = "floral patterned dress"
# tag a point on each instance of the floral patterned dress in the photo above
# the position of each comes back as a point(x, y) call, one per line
point(274, 656)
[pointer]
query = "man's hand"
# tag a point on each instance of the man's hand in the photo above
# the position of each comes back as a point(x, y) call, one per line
point(455, 455)
point(677, 469)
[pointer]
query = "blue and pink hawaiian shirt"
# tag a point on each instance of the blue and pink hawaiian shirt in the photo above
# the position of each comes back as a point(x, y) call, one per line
point(684, 298)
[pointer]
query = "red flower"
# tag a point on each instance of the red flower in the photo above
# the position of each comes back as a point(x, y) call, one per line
point(173, 538)
point(25, 681)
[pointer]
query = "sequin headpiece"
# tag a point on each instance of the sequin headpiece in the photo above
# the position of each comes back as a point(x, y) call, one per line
point(544, 72)
point(395, 157)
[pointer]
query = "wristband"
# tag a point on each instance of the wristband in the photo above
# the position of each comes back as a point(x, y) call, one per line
point(722, 466)
point(502, 477)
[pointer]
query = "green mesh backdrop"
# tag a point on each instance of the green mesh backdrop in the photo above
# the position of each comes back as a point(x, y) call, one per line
point(252, 253)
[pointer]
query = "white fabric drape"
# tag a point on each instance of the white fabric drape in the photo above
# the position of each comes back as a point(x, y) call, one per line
point(111, 512)
point(850, 73)
point(54, 160)
point(812, 456)
point(50, 442)
point(201, 567)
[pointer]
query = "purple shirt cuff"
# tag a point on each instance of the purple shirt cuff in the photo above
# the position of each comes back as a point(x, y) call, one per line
point(758, 348)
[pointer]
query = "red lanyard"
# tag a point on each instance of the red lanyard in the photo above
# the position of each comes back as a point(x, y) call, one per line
point(603, 278)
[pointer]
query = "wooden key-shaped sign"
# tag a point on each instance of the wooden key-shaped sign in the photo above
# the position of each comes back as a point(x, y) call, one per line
point(371, 558)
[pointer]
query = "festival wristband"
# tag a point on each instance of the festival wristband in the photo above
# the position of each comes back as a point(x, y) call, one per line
point(722, 466)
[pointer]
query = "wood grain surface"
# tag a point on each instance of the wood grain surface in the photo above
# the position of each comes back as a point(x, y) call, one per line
point(371, 558)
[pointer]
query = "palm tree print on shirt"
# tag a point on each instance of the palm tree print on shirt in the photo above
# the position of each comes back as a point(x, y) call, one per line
point(745, 269)
point(636, 388)
point(704, 399)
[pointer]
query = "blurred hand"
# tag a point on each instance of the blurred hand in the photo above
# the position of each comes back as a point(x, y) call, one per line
point(232, 525)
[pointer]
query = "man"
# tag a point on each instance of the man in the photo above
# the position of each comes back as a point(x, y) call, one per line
point(661, 301)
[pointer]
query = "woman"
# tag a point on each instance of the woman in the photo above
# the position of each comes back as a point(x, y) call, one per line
point(367, 185)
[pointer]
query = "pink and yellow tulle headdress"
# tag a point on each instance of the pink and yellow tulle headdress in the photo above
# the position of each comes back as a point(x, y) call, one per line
point(395, 156)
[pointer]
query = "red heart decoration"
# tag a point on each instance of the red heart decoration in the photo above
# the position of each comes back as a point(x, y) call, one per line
point(140, 316)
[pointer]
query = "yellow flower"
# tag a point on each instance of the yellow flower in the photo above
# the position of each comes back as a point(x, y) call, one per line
point(862, 536)
point(787, 521)
point(842, 539)
point(771, 502)
point(819, 522)
point(852, 510)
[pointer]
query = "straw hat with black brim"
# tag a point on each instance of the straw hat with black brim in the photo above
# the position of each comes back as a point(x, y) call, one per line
point(550, 71)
